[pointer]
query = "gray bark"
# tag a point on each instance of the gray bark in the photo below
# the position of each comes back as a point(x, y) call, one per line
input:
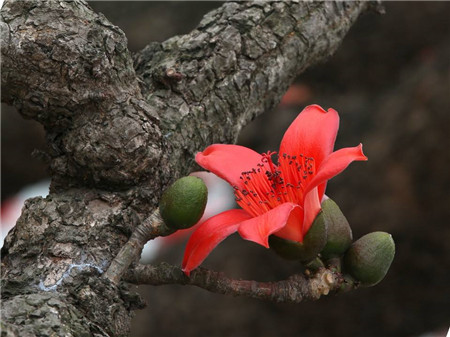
point(120, 128)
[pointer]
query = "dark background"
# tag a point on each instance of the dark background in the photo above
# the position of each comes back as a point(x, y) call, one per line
point(390, 82)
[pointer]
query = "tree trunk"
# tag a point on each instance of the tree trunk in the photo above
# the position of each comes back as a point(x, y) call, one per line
point(120, 127)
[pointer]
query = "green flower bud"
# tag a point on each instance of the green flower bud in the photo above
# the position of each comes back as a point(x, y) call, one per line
point(183, 203)
point(312, 244)
point(339, 232)
point(369, 258)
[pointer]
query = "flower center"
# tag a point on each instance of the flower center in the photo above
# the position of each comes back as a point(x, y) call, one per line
point(270, 185)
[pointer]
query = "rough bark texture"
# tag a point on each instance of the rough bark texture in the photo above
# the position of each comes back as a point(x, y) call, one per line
point(237, 63)
point(118, 133)
point(69, 68)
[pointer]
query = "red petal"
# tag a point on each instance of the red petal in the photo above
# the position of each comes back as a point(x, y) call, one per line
point(311, 209)
point(321, 188)
point(293, 229)
point(335, 164)
point(259, 228)
point(209, 234)
point(312, 134)
point(228, 161)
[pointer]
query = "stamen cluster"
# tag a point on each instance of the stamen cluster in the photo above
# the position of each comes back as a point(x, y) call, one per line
point(269, 185)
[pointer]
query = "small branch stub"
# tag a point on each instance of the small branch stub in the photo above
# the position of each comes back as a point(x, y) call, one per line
point(151, 228)
point(181, 206)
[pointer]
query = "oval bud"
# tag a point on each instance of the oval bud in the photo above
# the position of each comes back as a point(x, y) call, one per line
point(183, 203)
point(369, 258)
point(312, 244)
point(339, 232)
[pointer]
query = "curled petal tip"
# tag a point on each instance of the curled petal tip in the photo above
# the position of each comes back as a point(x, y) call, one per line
point(315, 107)
point(320, 109)
point(266, 243)
point(331, 110)
point(363, 156)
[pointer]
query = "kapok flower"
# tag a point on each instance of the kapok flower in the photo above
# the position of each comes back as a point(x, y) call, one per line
point(280, 198)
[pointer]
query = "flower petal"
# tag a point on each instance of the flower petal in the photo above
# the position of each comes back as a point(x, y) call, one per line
point(335, 164)
point(311, 209)
point(259, 228)
point(293, 230)
point(321, 188)
point(209, 234)
point(311, 134)
point(228, 161)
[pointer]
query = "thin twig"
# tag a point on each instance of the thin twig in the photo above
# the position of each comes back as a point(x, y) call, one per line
point(151, 228)
point(295, 289)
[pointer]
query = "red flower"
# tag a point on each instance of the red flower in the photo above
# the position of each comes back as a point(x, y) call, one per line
point(281, 199)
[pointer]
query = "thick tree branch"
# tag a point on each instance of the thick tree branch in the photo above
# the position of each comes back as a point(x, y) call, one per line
point(296, 289)
point(69, 68)
point(237, 64)
point(53, 260)
point(118, 135)
point(82, 87)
